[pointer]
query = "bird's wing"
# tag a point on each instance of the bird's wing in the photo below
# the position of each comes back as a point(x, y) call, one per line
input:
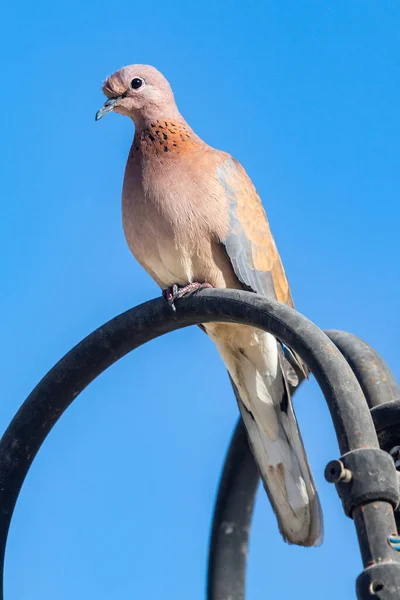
point(249, 243)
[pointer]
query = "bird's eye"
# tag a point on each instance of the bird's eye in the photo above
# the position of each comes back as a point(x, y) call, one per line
point(136, 83)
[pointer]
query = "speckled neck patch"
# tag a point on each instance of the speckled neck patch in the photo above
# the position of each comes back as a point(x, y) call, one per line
point(165, 136)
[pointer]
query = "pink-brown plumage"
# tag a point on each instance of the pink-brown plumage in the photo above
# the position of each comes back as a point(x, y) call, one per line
point(191, 214)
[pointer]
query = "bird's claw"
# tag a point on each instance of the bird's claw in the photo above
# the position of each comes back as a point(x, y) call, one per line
point(174, 291)
point(170, 294)
point(394, 542)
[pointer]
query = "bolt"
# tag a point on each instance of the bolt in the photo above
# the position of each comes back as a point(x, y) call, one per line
point(375, 587)
point(335, 471)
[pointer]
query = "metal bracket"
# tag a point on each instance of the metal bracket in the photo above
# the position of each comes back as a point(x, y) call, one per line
point(379, 582)
point(362, 476)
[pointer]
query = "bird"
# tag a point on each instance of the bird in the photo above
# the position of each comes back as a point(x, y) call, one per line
point(193, 219)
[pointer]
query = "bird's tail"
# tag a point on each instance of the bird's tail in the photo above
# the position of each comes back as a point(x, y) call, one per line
point(274, 437)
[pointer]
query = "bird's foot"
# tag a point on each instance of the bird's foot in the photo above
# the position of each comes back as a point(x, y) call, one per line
point(394, 542)
point(174, 291)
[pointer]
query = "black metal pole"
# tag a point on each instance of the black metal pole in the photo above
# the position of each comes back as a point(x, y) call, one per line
point(47, 402)
point(240, 478)
point(227, 559)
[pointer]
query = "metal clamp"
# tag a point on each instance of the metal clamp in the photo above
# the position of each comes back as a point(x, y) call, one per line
point(379, 582)
point(362, 476)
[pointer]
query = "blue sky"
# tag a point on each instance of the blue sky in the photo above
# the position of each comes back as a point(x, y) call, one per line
point(306, 95)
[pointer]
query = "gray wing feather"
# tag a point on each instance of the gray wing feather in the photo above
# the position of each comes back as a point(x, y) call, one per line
point(237, 245)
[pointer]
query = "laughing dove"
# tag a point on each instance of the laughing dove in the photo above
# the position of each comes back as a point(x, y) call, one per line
point(192, 218)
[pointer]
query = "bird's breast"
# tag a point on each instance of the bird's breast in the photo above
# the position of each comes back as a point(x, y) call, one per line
point(173, 218)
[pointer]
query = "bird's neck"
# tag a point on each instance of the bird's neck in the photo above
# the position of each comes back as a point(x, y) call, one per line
point(160, 137)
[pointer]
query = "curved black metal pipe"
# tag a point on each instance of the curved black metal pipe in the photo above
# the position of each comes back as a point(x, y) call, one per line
point(139, 325)
point(232, 518)
point(240, 478)
point(374, 376)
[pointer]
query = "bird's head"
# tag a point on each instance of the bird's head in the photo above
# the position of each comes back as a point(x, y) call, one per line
point(140, 92)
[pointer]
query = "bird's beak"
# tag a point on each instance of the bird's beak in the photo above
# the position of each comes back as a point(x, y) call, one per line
point(107, 107)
